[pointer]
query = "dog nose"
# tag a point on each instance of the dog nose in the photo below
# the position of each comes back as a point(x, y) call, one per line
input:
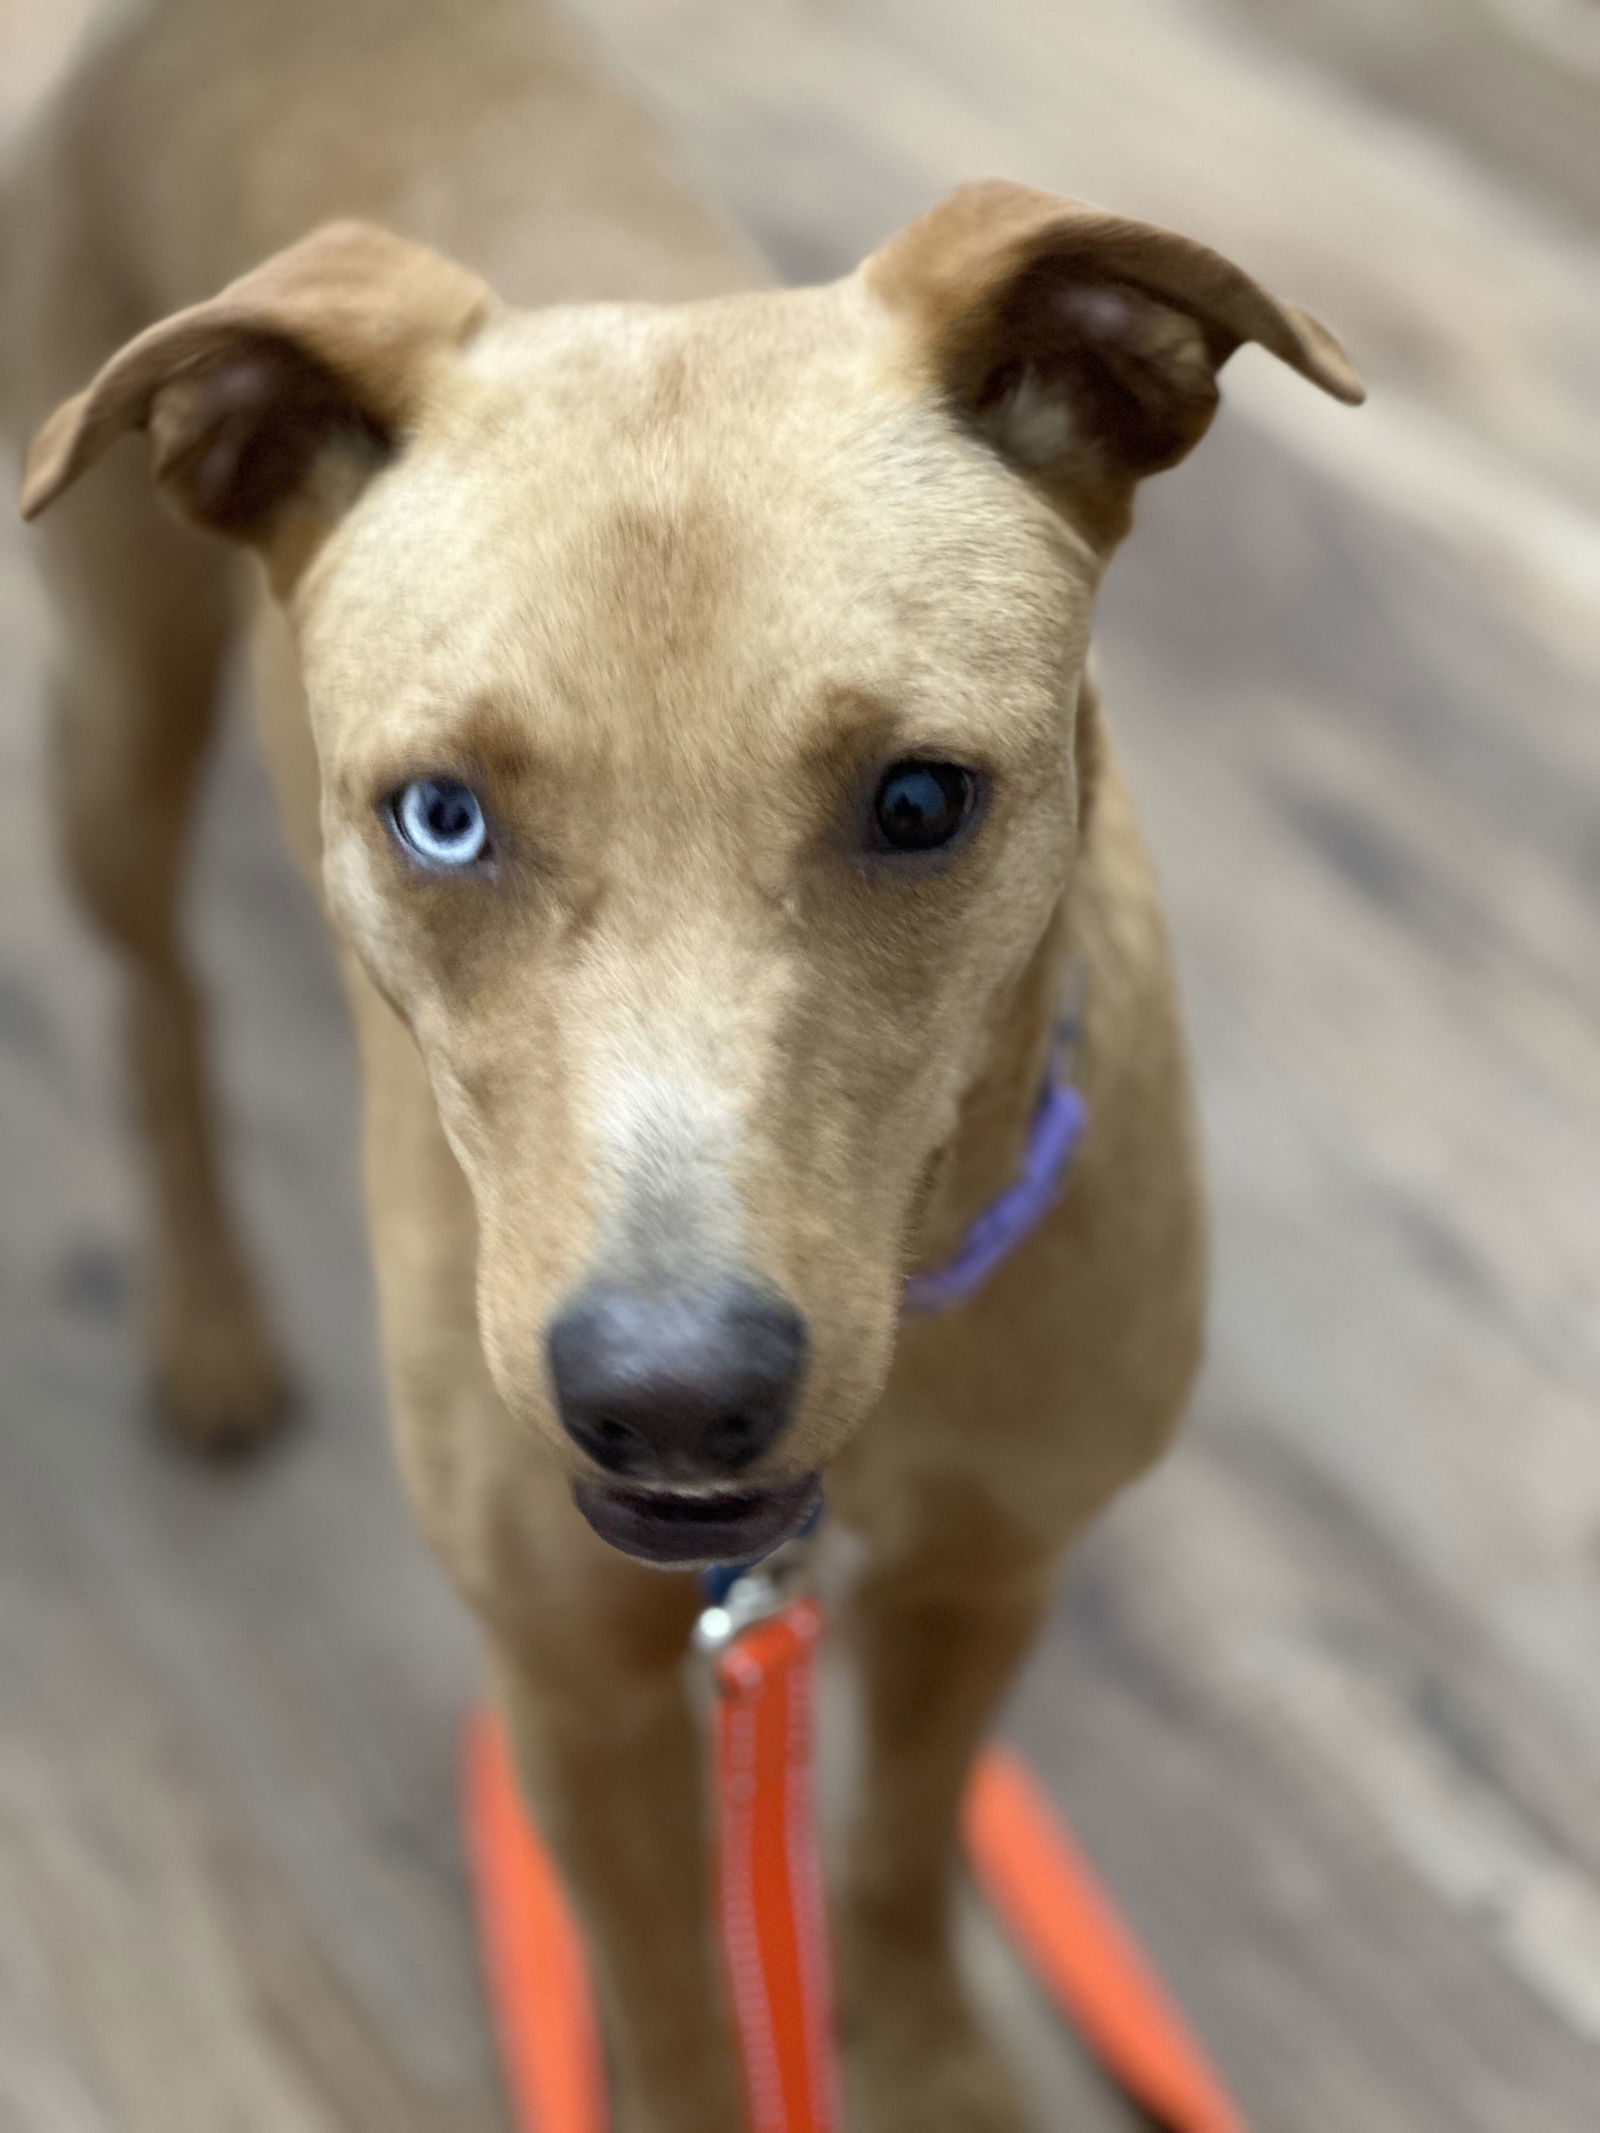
point(666, 1386)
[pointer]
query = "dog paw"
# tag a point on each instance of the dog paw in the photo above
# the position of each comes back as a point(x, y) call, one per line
point(712, 2104)
point(957, 2085)
point(916, 2058)
point(220, 1383)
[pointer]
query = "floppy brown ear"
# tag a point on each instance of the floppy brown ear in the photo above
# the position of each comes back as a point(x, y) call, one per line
point(325, 348)
point(1082, 345)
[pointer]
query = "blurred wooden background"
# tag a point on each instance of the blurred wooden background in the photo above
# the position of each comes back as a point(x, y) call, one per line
point(1322, 1698)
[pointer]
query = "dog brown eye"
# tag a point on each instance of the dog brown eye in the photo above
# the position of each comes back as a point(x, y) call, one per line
point(920, 806)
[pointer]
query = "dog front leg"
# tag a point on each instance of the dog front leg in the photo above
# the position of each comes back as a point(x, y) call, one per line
point(608, 1751)
point(937, 1645)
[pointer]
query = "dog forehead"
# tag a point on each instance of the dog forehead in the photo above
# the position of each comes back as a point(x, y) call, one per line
point(780, 422)
point(617, 503)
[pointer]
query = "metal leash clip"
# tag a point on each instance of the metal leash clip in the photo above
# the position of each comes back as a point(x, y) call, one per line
point(742, 1595)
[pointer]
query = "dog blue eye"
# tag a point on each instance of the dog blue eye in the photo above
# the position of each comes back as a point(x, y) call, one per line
point(920, 806)
point(441, 821)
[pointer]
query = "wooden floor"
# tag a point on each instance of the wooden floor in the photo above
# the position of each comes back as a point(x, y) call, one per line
point(1323, 1697)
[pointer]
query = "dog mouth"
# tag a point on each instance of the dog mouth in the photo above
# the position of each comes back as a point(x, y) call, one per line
point(688, 1529)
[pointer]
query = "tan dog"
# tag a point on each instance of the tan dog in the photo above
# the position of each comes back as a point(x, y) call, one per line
point(683, 707)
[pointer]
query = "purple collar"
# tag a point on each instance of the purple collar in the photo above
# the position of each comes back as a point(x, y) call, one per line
point(1014, 1214)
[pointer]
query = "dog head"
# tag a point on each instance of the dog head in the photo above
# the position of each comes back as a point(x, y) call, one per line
point(695, 692)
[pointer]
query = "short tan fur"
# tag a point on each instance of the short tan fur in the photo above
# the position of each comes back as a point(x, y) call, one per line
point(552, 495)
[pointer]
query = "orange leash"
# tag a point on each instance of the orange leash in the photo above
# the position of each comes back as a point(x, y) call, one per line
point(1041, 1885)
point(533, 1960)
point(773, 1920)
point(769, 1876)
